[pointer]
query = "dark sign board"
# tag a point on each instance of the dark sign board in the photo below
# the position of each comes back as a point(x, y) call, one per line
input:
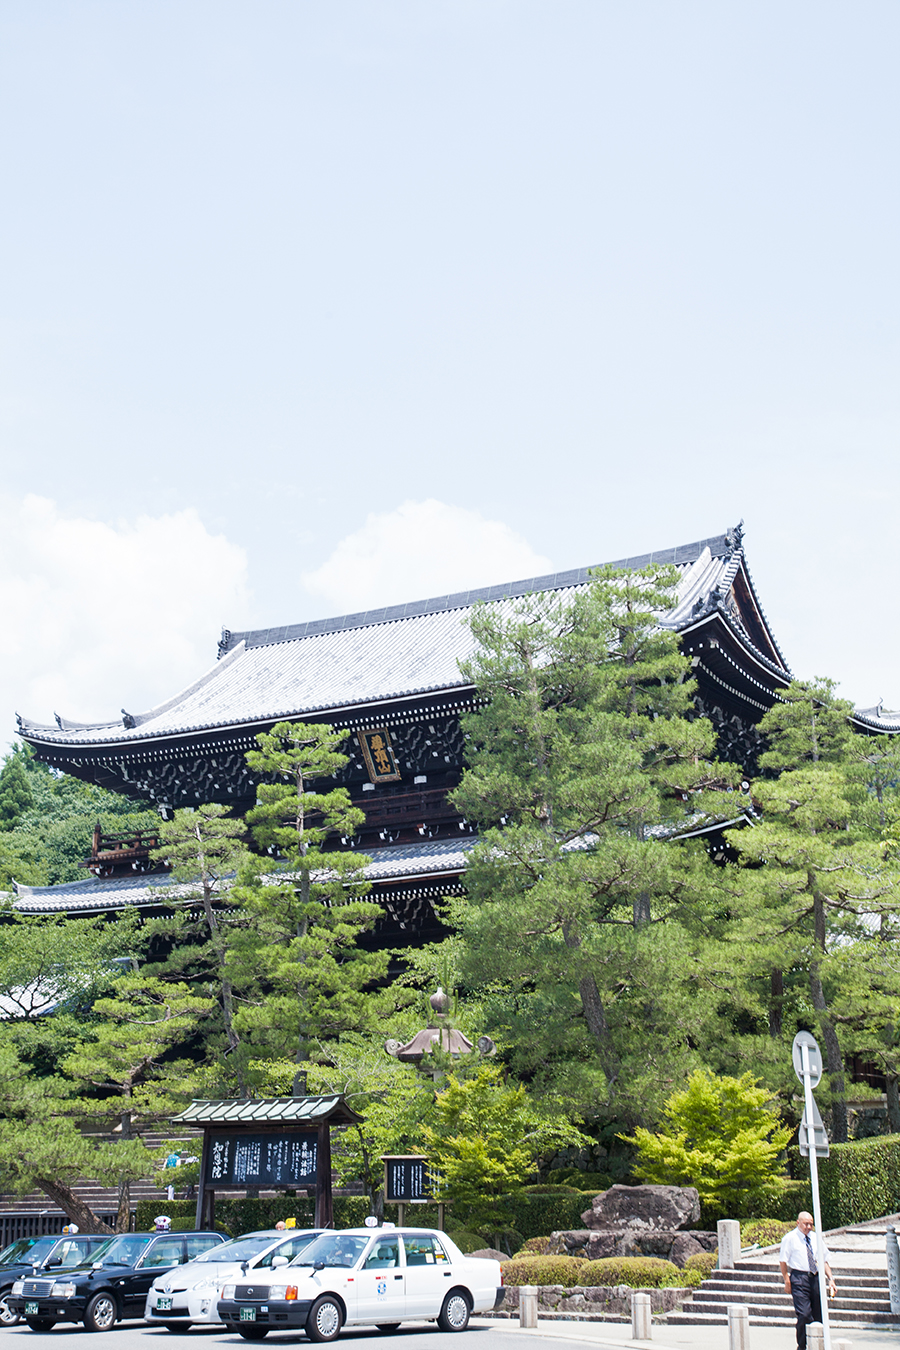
point(407, 1179)
point(379, 755)
point(244, 1159)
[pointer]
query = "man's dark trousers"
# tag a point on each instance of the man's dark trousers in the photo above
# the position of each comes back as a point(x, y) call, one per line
point(807, 1302)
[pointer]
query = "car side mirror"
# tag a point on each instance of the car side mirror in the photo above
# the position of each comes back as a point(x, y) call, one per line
point(318, 1265)
point(55, 1261)
point(279, 1261)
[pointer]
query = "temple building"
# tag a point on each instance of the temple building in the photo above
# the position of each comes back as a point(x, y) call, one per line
point(391, 677)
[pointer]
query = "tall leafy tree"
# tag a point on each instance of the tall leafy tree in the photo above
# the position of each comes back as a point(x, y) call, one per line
point(301, 971)
point(15, 791)
point(583, 760)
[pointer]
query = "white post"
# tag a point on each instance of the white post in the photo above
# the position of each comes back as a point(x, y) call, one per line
point(738, 1326)
point(815, 1336)
point(817, 1208)
point(641, 1320)
point(528, 1295)
point(729, 1231)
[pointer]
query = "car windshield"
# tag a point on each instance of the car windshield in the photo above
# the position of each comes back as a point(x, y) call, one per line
point(120, 1251)
point(27, 1249)
point(332, 1249)
point(239, 1249)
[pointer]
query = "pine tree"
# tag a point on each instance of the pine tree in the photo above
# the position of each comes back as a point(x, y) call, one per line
point(301, 973)
point(818, 872)
point(582, 762)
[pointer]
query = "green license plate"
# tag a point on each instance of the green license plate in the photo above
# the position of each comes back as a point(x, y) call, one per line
point(248, 1314)
point(163, 1304)
point(31, 1309)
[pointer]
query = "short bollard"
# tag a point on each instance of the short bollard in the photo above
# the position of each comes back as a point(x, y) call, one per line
point(528, 1306)
point(842, 1345)
point(729, 1234)
point(738, 1326)
point(815, 1336)
point(641, 1320)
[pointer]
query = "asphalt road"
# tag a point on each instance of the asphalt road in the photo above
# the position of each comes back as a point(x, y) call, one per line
point(138, 1336)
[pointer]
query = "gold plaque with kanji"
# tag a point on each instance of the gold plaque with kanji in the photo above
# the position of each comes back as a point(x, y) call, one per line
point(379, 756)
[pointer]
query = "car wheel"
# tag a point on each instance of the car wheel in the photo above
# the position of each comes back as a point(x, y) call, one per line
point(388, 1326)
point(8, 1318)
point(253, 1333)
point(454, 1315)
point(324, 1321)
point(100, 1313)
point(41, 1323)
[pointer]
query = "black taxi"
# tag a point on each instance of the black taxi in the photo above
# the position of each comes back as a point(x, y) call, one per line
point(111, 1285)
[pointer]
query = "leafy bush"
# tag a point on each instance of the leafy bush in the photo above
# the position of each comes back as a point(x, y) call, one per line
point(465, 1240)
point(526, 1213)
point(564, 1270)
point(764, 1231)
point(704, 1262)
point(245, 1215)
point(536, 1246)
point(722, 1136)
point(585, 1181)
point(639, 1272)
point(858, 1182)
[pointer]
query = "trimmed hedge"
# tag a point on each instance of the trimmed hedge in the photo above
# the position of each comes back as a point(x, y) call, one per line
point(534, 1214)
point(246, 1215)
point(859, 1181)
point(704, 1262)
point(637, 1272)
point(564, 1270)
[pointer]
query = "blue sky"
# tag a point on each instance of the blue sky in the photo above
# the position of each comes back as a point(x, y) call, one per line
point(307, 306)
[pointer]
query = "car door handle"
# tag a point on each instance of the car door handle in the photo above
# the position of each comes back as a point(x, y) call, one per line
point(398, 1277)
point(447, 1274)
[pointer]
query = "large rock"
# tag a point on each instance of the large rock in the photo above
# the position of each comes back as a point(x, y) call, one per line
point(647, 1207)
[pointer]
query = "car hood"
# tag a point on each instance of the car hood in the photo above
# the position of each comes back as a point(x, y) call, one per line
point(186, 1277)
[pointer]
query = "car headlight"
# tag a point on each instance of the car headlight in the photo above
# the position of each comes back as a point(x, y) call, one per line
point(62, 1291)
point(227, 1291)
point(18, 1288)
point(286, 1291)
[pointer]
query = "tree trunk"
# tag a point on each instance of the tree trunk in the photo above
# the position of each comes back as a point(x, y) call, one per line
point(76, 1209)
point(834, 1061)
point(776, 1004)
point(893, 1103)
point(640, 909)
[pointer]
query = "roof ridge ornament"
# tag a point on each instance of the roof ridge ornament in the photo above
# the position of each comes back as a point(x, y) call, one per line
point(734, 537)
point(224, 642)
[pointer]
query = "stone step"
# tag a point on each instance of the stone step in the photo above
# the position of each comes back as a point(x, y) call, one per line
point(782, 1302)
point(689, 1319)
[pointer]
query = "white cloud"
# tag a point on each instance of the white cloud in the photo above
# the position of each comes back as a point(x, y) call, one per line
point(97, 616)
point(419, 550)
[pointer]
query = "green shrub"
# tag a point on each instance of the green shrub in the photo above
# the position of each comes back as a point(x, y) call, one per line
point(546, 1188)
point(705, 1262)
point(528, 1214)
point(585, 1181)
point(564, 1270)
point(465, 1240)
point(691, 1279)
point(857, 1182)
point(536, 1246)
point(764, 1231)
point(244, 1215)
point(638, 1272)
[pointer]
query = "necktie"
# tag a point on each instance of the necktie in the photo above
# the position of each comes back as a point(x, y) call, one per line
point(809, 1255)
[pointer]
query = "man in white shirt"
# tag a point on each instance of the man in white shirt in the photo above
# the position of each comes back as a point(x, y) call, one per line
point(799, 1269)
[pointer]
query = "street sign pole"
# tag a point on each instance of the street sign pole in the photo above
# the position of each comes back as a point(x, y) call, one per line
point(814, 1183)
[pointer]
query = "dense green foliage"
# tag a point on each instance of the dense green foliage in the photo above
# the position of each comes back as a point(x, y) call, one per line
point(721, 1135)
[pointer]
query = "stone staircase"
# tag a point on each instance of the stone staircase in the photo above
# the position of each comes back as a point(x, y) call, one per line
point(860, 1271)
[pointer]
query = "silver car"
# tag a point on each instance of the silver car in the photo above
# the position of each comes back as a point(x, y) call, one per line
point(189, 1293)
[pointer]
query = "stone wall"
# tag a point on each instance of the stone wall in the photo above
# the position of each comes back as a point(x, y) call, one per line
point(599, 1300)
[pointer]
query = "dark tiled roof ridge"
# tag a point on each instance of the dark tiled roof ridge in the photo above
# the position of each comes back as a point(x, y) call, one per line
point(719, 546)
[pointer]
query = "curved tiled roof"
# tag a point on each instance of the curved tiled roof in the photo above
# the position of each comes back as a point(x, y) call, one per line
point(386, 654)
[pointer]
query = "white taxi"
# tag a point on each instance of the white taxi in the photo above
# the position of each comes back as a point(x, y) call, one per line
point(364, 1276)
point(187, 1294)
